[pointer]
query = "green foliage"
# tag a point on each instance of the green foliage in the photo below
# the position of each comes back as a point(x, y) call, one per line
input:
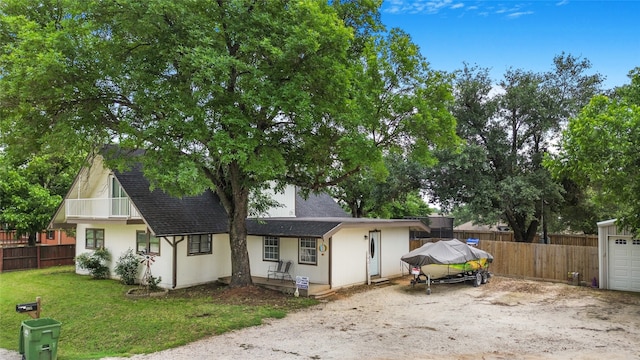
point(96, 263)
point(498, 174)
point(226, 95)
point(152, 283)
point(98, 321)
point(599, 151)
point(127, 267)
point(395, 195)
point(25, 206)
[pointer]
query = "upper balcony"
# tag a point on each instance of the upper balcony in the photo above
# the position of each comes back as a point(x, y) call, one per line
point(101, 209)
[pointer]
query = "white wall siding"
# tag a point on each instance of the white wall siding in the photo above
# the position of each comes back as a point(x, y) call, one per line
point(394, 243)
point(191, 270)
point(117, 239)
point(349, 255)
point(318, 274)
point(288, 201)
point(200, 269)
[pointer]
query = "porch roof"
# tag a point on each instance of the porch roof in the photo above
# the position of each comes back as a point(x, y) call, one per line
point(323, 227)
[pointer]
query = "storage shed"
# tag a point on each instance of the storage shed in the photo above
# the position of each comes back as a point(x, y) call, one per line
point(619, 258)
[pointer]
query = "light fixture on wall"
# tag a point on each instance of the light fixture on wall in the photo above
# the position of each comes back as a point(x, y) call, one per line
point(366, 237)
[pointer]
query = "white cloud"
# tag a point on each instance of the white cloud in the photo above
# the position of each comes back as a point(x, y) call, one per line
point(562, 2)
point(419, 6)
point(514, 10)
point(515, 15)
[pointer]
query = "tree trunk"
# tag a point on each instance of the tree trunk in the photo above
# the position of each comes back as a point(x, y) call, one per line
point(240, 265)
point(521, 232)
point(32, 239)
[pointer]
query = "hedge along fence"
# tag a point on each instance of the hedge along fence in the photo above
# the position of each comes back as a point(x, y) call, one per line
point(36, 257)
point(539, 261)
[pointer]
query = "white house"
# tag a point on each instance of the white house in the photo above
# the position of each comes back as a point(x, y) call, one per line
point(189, 238)
point(618, 258)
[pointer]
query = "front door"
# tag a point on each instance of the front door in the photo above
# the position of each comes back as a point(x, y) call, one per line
point(374, 253)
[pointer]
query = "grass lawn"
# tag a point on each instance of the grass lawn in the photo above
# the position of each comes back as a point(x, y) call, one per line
point(99, 321)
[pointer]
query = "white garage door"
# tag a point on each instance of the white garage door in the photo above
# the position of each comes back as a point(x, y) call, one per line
point(624, 264)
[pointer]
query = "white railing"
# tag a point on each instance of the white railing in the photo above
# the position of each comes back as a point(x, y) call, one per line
point(104, 208)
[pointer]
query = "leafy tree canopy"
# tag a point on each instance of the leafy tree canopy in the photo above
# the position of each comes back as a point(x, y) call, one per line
point(228, 95)
point(396, 195)
point(497, 174)
point(599, 150)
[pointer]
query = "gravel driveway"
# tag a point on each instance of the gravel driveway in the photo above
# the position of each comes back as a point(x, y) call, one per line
point(505, 319)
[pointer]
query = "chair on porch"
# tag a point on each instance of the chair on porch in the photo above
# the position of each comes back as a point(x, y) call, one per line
point(285, 271)
point(280, 272)
point(274, 270)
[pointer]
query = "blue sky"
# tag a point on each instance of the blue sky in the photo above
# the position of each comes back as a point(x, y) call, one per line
point(522, 34)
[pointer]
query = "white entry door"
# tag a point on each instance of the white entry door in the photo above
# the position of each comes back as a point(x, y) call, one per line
point(374, 253)
point(624, 264)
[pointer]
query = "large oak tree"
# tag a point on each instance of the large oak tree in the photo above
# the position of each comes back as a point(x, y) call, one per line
point(228, 95)
point(498, 173)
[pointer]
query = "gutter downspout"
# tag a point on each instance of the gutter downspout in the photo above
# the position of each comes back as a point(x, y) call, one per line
point(174, 270)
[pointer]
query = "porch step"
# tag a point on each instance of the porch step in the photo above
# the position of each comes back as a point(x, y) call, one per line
point(323, 294)
point(379, 281)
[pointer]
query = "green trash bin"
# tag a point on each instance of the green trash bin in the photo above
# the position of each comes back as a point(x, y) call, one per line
point(39, 339)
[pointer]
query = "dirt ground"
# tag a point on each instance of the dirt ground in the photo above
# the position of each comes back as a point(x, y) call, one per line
point(504, 319)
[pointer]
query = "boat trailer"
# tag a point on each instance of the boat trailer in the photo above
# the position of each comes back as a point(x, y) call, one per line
point(477, 278)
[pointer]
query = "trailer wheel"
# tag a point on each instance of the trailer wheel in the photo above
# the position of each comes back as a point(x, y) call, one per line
point(485, 277)
point(478, 280)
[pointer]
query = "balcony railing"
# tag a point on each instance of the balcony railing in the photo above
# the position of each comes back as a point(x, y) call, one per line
point(104, 208)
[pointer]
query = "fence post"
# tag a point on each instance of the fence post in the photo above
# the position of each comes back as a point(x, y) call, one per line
point(38, 256)
point(1, 258)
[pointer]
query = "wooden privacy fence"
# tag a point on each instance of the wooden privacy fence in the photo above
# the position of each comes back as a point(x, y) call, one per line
point(36, 257)
point(555, 239)
point(539, 261)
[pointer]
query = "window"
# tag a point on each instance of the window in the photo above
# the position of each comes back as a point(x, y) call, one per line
point(51, 234)
point(621, 241)
point(147, 243)
point(119, 199)
point(307, 251)
point(271, 248)
point(199, 244)
point(94, 238)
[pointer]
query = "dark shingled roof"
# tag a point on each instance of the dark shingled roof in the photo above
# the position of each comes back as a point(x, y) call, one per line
point(318, 205)
point(204, 214)
point(167, 215)
point(291, 228)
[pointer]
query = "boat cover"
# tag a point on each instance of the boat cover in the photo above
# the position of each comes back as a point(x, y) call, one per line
point(451, 251)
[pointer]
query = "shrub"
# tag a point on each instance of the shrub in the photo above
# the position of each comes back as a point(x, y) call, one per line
point(95, 263)
point(153, 283)
point(127, 267)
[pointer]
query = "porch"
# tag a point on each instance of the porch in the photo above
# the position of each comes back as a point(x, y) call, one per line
point(316, 291)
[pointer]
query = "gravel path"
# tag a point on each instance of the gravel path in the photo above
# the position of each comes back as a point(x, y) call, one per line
point(505, 319)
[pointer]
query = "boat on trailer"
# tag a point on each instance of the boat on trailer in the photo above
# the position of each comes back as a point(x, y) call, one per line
point(448, 261)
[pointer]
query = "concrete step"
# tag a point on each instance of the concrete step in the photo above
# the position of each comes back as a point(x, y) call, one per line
point(379, 281)
point(323, 294)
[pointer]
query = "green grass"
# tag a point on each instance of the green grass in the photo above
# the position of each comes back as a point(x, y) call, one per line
point(99, 321)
